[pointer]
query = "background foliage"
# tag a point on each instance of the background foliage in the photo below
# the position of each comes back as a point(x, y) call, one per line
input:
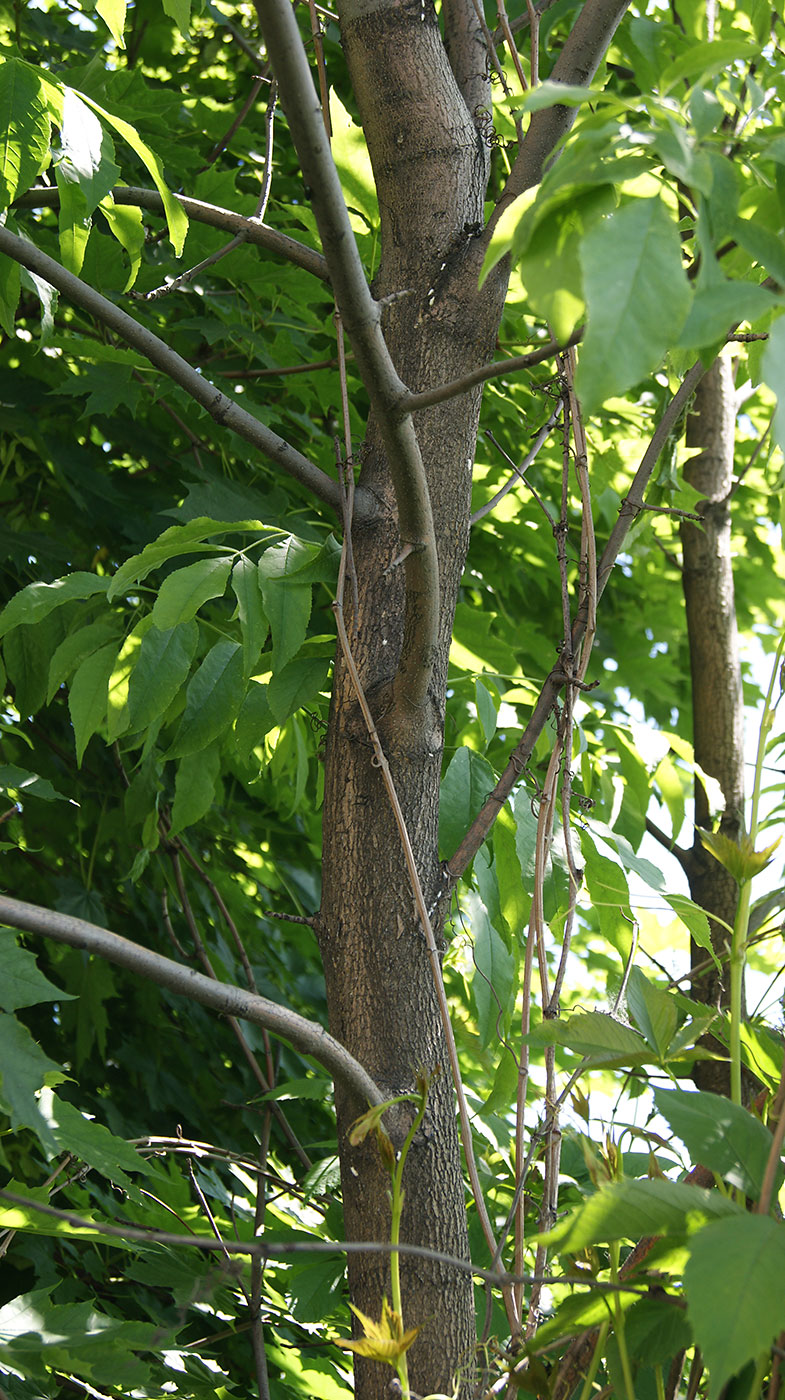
point(167, 668)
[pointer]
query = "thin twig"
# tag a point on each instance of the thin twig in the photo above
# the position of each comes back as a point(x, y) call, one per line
point(173, 283)
point(318, 48)
point(483, 822)
point(307, 1037)
point(280, 1249)
point(504, 22)
point(224, 140)
point(519, 473)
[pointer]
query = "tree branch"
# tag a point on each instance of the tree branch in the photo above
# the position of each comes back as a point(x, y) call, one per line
point(583, 51)
point(496, 370)
point(682, 856)
point(308, 1037)
point(557, 678)
point(281, 1249)
point(48, 196)
point(221, 408)
point(361, 317)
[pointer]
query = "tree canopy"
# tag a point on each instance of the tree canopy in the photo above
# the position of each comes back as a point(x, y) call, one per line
point(391, 455)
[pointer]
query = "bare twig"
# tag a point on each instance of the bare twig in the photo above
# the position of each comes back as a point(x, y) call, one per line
point(518, 472)
point(174, 283)
point(557, 678)
point(224, 140)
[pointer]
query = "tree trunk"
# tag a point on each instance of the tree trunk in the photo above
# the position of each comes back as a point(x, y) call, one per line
point(420, 99)
point(431, 170)
point(717, 701)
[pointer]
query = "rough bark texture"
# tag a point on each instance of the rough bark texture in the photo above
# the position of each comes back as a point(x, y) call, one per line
point(431, 170)
point(717, 703)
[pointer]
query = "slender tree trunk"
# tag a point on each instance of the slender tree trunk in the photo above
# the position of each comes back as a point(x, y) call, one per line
point(717, 702)
point(431, 170)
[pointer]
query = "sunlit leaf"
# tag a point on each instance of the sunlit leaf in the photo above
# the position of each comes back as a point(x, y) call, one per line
point(637, 298)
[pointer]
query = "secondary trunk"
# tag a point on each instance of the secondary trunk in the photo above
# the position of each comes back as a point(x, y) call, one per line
point(717, 702)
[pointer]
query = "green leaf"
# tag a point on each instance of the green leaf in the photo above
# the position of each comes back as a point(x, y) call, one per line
point(214, 696)
point(514, 898)
point(24, 129)
point(163, 663)
point(739, 858)
point(655, 1330)
point(246, 584)
point(315, 1288)
point(27, 651)
point(637, 298)
point(720, 1135)
point(595, 1034)
point(486, 710)
point(86, 157)
point(194, 787)
point(494, 975)
point(88, 696)
point(39, 599)
point(176, 217)
point(181, 594)
point(254, 720)
point(174, 542)
point(607, 886)
point(27, 784)
point(696, 920)
point(525, 833)
point(22, 984)
point(24, 1069)
point(112, 12)
point(287, 598)
point(718, 306)
point(633, 1209)
point(705, 60)
point(75, 648)
point(505, 230)
point(733, 1282)
point(653, 1010)
point(298, 682)
point(74, 1336)
point(92, 1143)
point(466, 784)
point(180, 12)
point(125, 222)
point(549, 263)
